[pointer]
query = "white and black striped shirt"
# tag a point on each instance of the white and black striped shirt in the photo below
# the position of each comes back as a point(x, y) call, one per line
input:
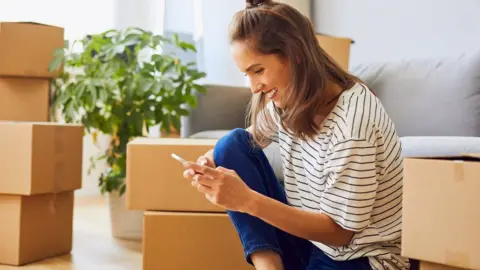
point(352, 172)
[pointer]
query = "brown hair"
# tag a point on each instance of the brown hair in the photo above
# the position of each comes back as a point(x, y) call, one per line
point(276, 28)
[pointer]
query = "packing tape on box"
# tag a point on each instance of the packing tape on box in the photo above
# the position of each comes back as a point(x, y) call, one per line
point(457, 258)
point(458, 171)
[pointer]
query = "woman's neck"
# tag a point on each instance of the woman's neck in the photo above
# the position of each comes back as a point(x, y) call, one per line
point(332, 92)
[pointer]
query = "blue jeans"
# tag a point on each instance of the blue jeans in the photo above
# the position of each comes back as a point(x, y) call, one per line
point(236, 151)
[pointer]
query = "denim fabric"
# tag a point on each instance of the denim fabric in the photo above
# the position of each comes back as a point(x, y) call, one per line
point(236, 151)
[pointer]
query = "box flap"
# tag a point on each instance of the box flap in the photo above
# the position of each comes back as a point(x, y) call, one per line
point(472, 155)
point(460, 156)
point(171, 141)
point(32, 123)
point(26, 22)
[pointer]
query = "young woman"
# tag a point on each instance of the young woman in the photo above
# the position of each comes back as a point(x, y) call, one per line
point(341, 204)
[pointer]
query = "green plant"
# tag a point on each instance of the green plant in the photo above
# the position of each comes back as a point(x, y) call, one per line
point(120, 85)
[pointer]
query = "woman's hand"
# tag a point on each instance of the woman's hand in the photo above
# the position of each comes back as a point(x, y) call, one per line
point(221, 186)
point(207, 159)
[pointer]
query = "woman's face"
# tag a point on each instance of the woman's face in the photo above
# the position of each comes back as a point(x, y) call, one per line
point(268, 74)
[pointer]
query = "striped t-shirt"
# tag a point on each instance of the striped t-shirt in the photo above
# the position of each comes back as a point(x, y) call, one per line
point(352, 172)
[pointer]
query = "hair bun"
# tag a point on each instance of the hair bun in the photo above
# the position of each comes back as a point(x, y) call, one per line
point(256, 3)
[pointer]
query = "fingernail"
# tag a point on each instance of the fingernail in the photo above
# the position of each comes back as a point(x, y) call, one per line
point(203, 161)
point(191, 172)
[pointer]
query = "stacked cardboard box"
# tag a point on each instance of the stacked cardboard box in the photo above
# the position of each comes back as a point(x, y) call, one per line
point(40, 162)
point(26, 50)
point(424, 265)
point(182, 229)
point(441, 217)
point(40, 167)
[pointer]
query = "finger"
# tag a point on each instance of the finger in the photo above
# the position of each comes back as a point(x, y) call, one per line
point(206, 161)
point(203, 169)
point(188, 174)
point(200, 187)
point(204, 180)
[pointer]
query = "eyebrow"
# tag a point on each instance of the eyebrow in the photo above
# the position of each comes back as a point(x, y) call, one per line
point(251, 66)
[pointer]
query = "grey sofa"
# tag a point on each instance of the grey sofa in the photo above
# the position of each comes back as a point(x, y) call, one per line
point(434, 103)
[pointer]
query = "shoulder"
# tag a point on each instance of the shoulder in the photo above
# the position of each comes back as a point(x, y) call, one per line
point(357, 111)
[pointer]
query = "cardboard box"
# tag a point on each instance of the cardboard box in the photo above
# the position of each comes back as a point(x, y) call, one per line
point(26, 49)
point(35, 227)
point(24, 99)
point(40, 158)
point(155, 180)
point(433, 266)
point(191, 241)
point(441, 217)
point(338, 48)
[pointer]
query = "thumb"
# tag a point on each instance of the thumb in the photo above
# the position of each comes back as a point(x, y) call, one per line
point(202, 160)
point(206, 161)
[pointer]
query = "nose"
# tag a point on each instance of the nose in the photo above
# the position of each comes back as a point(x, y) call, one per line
point(257, 87)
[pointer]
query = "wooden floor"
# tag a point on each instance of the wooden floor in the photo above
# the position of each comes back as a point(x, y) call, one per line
point(93, 246)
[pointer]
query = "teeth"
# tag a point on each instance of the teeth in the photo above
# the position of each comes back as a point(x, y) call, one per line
point(272, 92)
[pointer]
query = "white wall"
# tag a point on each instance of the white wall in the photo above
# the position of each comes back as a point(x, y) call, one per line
point(304, 6)
point(179, 16)
point(213, 18)
point(147, 14)
point(399, 29)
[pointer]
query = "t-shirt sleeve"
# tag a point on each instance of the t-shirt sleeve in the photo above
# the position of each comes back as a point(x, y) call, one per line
point(351, 184)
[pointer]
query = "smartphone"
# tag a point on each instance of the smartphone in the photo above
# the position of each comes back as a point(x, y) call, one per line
point(181, 160)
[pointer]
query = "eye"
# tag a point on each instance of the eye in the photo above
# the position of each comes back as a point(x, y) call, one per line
point(259, 71)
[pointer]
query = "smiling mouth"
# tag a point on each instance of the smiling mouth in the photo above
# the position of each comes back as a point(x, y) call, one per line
point(272, 93)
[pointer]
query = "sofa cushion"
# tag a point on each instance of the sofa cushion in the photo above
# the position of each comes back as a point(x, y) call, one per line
point(439, 146)
point(221, 107)
point(272, 151)
point(209, 134)
point(431, 97)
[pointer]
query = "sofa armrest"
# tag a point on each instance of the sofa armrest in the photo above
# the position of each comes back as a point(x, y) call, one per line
point(221, 108)
point(439, 146)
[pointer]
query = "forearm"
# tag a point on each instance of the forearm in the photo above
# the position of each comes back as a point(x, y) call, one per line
point(312, 226)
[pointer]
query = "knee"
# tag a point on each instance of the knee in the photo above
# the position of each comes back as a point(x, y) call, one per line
point(236, 139)
point(232, 145)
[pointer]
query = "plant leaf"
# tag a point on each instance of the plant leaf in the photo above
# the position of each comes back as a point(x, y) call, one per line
point(192, 101)
point(55, 64)
point(93, 91)
point(199, 88)
point(175, 122)
point(187, 46)
point(183, 112)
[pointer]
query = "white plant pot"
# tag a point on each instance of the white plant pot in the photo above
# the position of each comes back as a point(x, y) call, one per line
point(125, 224)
